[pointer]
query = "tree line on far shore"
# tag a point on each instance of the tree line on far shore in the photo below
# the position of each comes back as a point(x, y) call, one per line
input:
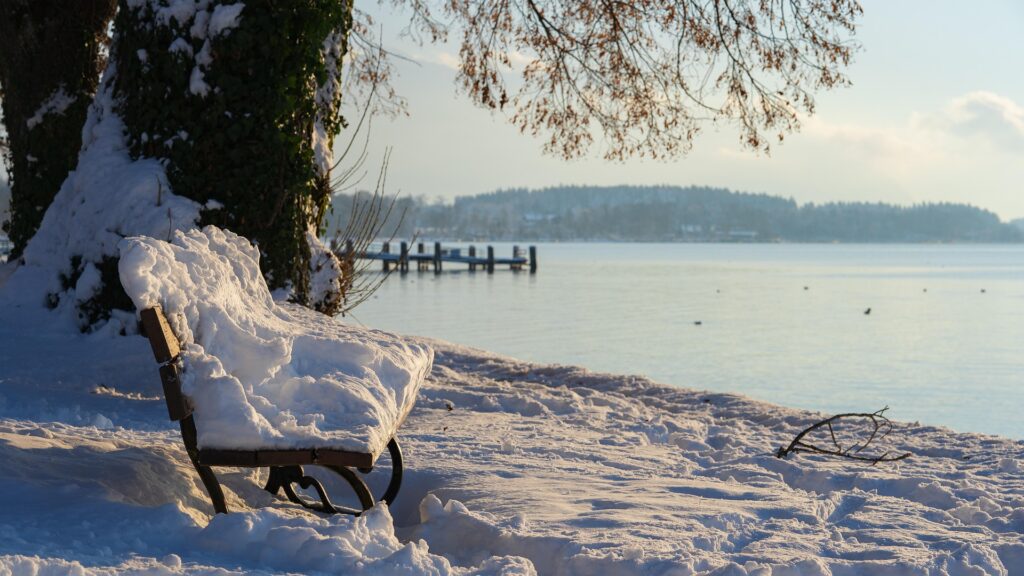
point(678, 214)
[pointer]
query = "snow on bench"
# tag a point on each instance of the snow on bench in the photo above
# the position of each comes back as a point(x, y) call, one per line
point(266, 383)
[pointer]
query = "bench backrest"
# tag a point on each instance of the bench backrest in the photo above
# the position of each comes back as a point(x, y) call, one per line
point(167, 351)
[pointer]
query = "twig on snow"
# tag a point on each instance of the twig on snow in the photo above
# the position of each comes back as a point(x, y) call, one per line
point(881, 426)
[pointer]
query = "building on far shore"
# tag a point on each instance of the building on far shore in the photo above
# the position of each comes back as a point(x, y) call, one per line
point(5, 247)
point(743, 235)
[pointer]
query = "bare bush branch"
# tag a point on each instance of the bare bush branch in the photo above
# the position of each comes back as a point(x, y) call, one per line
point(369, 211)
point(369, 214)
point(880, 427)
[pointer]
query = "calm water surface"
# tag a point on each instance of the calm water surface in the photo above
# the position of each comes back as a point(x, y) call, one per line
point(943, 344)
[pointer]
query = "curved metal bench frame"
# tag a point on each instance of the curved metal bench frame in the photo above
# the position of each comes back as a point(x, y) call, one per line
point(285, 465)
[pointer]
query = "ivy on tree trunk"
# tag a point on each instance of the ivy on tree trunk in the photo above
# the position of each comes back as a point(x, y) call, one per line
point(236, 100)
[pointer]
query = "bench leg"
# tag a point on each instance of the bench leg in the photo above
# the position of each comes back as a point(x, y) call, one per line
point(395, 451)
point(212, 487)
point(282, 478)
point(397, 467)
point(360, 487)
point(188, 434)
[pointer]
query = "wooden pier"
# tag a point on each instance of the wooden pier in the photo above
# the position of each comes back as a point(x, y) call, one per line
point(436, 259)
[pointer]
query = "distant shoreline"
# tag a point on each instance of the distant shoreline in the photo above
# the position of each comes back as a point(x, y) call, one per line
point(524, 242)
point(677, 214)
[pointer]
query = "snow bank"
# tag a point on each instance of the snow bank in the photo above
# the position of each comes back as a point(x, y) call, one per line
point(107, 197)
point(268, 375)
point(337, 545)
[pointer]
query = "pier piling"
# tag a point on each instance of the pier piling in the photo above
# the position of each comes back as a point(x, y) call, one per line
point(473, 258)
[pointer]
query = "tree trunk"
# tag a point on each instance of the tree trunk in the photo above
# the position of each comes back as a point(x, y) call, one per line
point(245, 116)
point(50, 59)
point(210, 112)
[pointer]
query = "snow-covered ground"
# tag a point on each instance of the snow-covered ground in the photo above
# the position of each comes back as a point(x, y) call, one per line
point(512, 468)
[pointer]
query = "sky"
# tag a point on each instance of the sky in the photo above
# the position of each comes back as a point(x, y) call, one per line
point(935, 114)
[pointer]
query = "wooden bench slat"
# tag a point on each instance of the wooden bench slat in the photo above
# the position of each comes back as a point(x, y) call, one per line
point(240, 458)
point(340, 458)
point(165, 344)
point(263, 458)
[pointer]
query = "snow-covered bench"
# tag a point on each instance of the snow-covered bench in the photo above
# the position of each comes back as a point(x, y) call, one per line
point(259, 383)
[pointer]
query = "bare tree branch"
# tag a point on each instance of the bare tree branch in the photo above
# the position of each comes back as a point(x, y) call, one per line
point(644, 76)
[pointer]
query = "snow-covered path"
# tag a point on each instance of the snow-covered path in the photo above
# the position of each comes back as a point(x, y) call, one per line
point(512, 469)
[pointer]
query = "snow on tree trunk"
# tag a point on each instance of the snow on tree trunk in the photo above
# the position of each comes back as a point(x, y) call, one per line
point(50, 62)
point(216, 113)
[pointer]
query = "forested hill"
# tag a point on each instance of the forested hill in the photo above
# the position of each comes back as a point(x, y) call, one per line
point(669, 213)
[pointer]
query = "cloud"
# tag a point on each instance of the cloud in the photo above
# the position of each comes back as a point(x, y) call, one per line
point(448, 59)
point(517, 60)
point(968, 149)
point(983, 116)
point(868, 140)
point(973, 125)
point(520, 60)
point(440, 57)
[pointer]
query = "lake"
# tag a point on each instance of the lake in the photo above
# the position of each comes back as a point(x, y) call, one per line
point(943, 343)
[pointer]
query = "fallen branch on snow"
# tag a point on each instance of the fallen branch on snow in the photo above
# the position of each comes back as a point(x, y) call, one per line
point(880, 428)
